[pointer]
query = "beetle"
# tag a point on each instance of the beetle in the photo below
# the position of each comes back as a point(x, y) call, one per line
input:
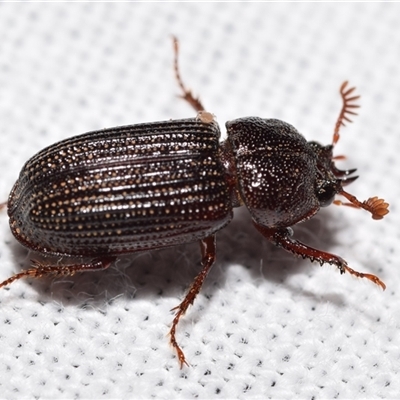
point(96, 196)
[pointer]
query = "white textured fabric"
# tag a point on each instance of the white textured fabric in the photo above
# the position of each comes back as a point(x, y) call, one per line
point(266, 325)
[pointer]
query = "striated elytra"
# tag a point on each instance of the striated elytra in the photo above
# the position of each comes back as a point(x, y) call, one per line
point(139, 187)
point(121, 190)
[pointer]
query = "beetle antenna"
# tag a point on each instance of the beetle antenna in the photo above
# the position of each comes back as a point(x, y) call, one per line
point(347, 108)
point(376, 206)
point(187, 94)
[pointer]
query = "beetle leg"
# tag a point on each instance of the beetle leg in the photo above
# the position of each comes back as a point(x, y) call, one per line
point(208, 246)
point(187, 94)
point(40, 270)
point(282, 238)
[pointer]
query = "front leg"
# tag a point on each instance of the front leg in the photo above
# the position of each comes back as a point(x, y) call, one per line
point(282, 238)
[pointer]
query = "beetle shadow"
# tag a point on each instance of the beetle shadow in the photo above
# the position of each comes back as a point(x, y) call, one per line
point(170, 271)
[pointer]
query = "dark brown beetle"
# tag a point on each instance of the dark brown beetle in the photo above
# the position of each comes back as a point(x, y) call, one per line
point(141, 187)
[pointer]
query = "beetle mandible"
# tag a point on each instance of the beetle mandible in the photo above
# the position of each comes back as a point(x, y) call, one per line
point(139, 187)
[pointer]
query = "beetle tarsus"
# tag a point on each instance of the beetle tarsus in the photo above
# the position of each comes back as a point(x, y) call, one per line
point(208, 246)
point(187, 94)
point(40, 270)
point(371, 277)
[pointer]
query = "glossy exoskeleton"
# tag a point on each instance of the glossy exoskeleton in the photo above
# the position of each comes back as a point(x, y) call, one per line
point(147, 186)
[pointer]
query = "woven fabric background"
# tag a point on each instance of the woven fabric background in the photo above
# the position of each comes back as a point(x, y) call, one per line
point(266, 325)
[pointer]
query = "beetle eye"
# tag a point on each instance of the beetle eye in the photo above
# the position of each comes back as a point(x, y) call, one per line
point(326, 193)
